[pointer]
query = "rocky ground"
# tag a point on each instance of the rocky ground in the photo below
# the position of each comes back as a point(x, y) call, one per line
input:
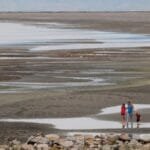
point(82, 142)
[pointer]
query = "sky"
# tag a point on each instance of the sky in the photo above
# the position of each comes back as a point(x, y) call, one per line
point(74, 5)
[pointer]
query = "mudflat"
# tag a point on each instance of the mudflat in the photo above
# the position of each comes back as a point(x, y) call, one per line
point(128, 67)
point(136, 22)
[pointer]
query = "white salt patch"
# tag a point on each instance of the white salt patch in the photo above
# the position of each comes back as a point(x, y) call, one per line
point(42, 85)
point(31, 58)
point(90, 46)
point(100, 71)
point(70, 123)
point(84, 123)
point(116, 109)
point(92, 79)
point(55, 37)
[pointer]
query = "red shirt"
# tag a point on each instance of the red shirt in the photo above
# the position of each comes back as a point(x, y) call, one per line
point(123, 110)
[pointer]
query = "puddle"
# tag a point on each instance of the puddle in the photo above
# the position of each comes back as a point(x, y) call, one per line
point(54, 36)
point(100, 71)
point(84, 123)
point(32, 58)
point(116, 109)
point(70, 123)
point(36, 86)
point(90, 46)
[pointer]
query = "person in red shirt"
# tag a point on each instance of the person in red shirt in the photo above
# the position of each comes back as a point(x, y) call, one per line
point(123, 115)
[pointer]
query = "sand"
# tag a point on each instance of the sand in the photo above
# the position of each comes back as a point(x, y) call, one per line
point(74, 101)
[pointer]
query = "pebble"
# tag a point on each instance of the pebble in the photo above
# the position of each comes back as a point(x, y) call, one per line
point(145, 138)
point(82, 142)
point(53, 137)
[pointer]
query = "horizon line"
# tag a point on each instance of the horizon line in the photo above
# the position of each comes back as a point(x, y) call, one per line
point(72, 11)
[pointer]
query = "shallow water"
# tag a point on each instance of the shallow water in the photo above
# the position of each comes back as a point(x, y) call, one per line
point(84, 122)
point(23, 86)
point(116, 109)
point(53, 36)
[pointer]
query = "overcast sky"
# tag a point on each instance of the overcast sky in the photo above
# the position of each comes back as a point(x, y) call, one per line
point(74, 5)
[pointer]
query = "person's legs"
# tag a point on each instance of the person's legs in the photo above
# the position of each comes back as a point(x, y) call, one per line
point(138, 123)
point(131, 120)
point(123, 121)
point(127, 120)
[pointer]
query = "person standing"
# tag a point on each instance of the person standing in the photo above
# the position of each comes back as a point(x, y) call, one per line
point(130, 111)
point(123, 115)
point(138, 118)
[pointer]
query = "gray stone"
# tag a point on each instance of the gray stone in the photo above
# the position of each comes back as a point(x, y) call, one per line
point(145, 138)
point(16, 147)
point(53, 137)
point(42, 147)
point(27, 147)
point(112, 138)
point(146, 147)
point(38, 140)
point(134, 144)
point(4, 147)
point(123, 147)
point(16, 142)
point(79, 139)
point(124, 137)
point(66, 144)
point(106, 147)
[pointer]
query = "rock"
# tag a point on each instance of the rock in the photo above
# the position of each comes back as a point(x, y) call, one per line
point(16, 142)
point(112, 138)
point(66, 144)
point(88, 137)
point(74, 148)
point(89, 142)
point(115, 147)
point(37, 140)
point(136, 137)
point(56, 146)
point(79, 139)
point(27, 147)
point(124, 147)
point(16, 147)
point(145, 138)
point(4, 147)
point(146, 147)
point(118, 142)
point(134, 144)
point(80, 142)
point(42, 147)
point(106, 147)
point(124, 137)
point(77, 147)
point(53, 137)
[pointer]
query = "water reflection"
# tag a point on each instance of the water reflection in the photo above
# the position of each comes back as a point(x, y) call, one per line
point(53, 36)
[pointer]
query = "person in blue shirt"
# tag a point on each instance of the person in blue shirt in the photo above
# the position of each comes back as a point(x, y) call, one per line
point(130, 111)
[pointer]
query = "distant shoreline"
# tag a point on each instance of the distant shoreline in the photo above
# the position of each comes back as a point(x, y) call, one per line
point(74, 11)
point(124, 21)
